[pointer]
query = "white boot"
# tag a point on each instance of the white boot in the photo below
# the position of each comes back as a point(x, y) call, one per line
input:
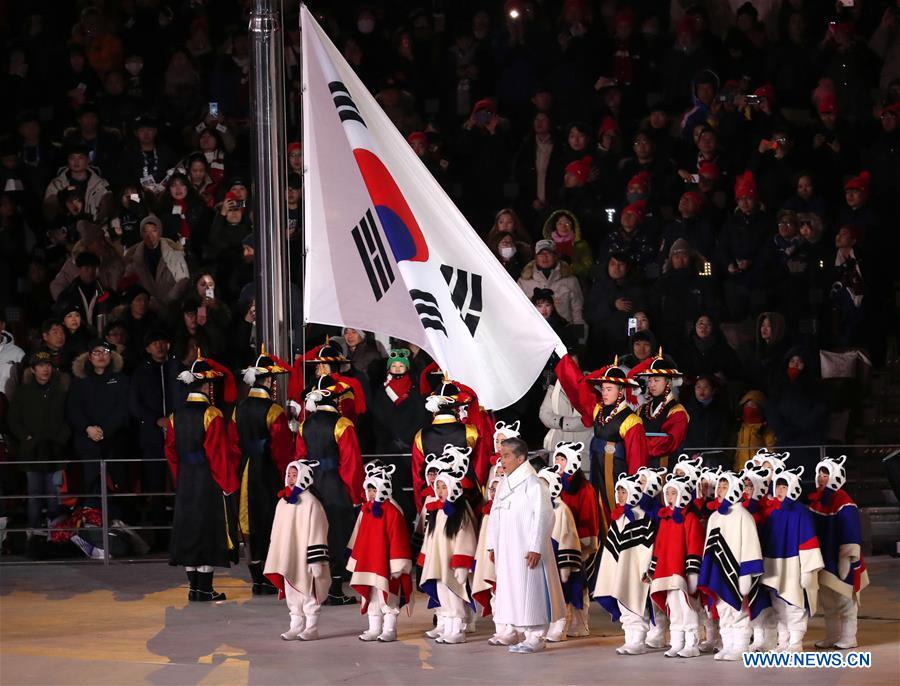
point(795, 641)
point(712, 640)
point(690, 644)
point(297, 626)
point(438, 629)
point(311, 632)
point(533, 643)
point(471, 620)
point(848, 635)
point(505, 635)
point(578, 624)
point(375, 622)
point(737, 646)
point(453, 632)
point(676, 640)
point(634, 643)
point(759, 638)
point(832, 632)
point(557, 631)
point(389, 632)
point(656, 636)
point(726, 639)
point(783, 637)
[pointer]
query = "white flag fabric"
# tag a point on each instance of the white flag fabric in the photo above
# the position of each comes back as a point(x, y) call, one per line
point(388, 251)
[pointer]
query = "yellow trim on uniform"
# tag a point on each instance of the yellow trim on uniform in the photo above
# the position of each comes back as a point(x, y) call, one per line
point(258, 393)
point(275, 411)
point(445, 420)
point(244, 509)
point(418, 440)
point(227, 532)
point(598, 408)
point(679, 408)
point(211, 414)
point(340, 427)
point(628, 423)
point(471, 435)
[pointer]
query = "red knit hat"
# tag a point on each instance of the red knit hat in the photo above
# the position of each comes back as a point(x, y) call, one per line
point(294, 146)
point(710, 169)
point(696, 198)
point(892, 109)
point(745, 186)
point(608, 124)
point(231, 195)
point(483, 104)
point(828, 103)
point(641, 179)
point(859, 183)
point(767, 91)
point(580, 169)
point(638, 208)
point(417, 136)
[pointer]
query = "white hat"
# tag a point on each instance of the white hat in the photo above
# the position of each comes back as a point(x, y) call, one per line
point(378, 476)
point(631, 486)
point(792, 478)
point(735, 487)
point(777, 460)
point(456, 457)
point(654, 478)
point(759, 477)
point(572, 452)
point(837, 475)
point(691, 468)
point(304, 472)
point(710, 476)
point(501, 428)
point(453, 481)
point(552, 477)
point(682, 486)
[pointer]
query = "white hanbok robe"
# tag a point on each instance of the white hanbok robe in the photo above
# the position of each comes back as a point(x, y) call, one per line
point(521, 522)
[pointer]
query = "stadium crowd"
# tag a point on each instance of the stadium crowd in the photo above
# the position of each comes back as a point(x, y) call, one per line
point(716, 179)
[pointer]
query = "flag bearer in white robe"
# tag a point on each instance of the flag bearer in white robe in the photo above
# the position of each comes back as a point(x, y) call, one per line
point(529, 595)
point(297, 561)
point(448, 554)
point(568, 553)
point(732, 559)
point(792, 560)
point(622, 587)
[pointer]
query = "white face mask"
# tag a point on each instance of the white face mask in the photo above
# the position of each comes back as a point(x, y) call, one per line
point(507, 251)
point(365, 26)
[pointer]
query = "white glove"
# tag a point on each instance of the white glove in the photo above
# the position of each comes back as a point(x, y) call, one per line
point(744, 584)
point(317, 570)
point(805, 579)
point(564, 574)
point(313, 398)
point(461, 574)
point(843, 566)
point(561, 350)
point(692, 583)
point(294, 408)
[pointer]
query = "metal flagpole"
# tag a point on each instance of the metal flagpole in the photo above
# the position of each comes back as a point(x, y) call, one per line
point(303, 219)
point(272, 269)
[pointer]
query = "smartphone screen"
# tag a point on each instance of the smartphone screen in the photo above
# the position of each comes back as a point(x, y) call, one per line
point(213, 109)
point(632, 325)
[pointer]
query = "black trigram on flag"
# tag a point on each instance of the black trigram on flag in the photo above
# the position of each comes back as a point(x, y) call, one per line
point(427, 309)
point(373, 255)
point(465, 291)
point(344, 103)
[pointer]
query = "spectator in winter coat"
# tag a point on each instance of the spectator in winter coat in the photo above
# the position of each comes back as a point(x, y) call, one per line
point(691, 225)
point(738, 251)
point(100, 261)
point(631, 239)
point(796, 411)
point(10, 356)
point(91, 188)
point(148, 160)
point(506, 250)
point(153, 395)
point(37, 424)
point(562, 227)
point(159, 266)
point(706, 353)
point(681, 294)
point(546, 270)
point(753, 433)
point(615, 296)
point(97, 412)
point(711, 422)
point(769, 347)
point(507, 222)
point(184, 214)
point(807, 198)
point(563, 422)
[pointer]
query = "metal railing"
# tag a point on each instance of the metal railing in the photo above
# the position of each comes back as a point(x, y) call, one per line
point(105, 495)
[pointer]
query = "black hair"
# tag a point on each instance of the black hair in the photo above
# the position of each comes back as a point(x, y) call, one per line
point(48, 324)
point(462, 512)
